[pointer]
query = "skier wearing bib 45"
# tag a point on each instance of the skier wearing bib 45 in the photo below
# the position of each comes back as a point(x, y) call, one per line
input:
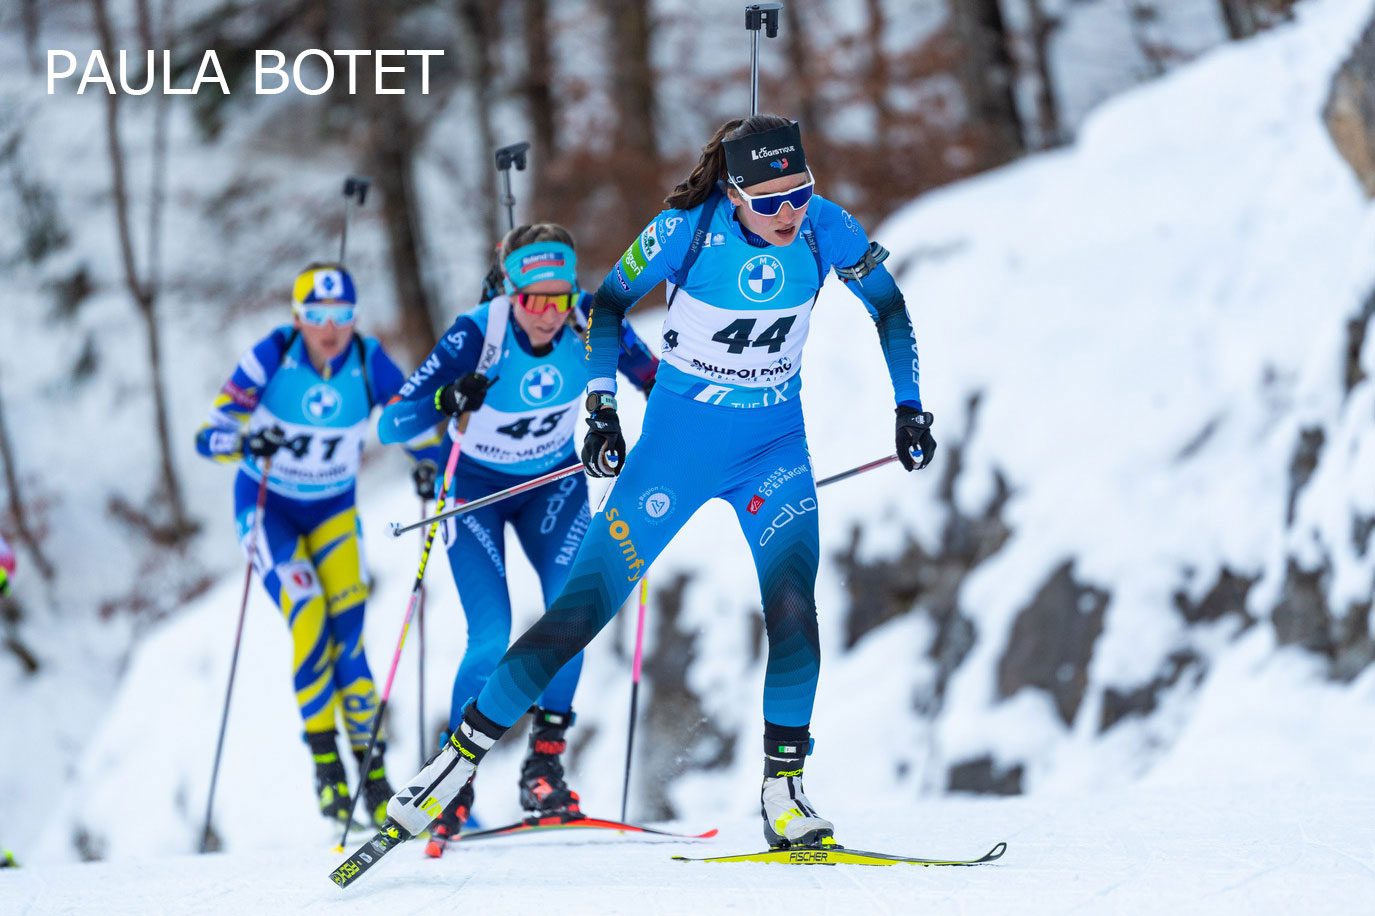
point(724, 422)
point(300, 399)
point(515, 368)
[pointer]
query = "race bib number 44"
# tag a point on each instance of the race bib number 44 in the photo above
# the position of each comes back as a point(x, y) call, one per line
point(749, 347)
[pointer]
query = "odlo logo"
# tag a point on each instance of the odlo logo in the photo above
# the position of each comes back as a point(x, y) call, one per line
point(620, 533)
point(785, 516)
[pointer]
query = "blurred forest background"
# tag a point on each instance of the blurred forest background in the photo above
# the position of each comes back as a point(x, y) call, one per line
point(896, 97)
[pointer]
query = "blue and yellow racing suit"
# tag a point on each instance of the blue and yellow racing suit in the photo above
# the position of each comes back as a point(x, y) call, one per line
point(524, 428)
point(308, 550)
point(724, 421)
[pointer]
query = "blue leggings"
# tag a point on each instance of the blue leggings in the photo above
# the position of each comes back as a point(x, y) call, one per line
point(550, 522)
point(755, 459)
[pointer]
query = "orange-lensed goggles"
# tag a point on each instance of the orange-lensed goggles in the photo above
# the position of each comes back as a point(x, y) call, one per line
point(539, 303)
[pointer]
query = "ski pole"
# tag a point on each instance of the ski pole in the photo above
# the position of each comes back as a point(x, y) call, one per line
point(238, 638)
point(420, 633)
point(634, 690)
point(352, 185)
point(401, 640)
point(757, 16)
point(846, 475)
point(398, 529)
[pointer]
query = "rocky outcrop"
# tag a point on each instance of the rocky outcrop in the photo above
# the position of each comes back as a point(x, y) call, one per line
point(1350, 110)
point(917, 580)
point(1052, 641)
point(983, 776)
point(678, 734)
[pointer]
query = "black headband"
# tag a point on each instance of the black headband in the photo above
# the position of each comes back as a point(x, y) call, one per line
point(758, 157)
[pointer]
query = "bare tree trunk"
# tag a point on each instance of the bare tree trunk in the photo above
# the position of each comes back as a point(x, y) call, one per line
point(29, 15)
point(1047, 110)
point(480, 17)
point(143, 290)
point(391, 139)
point(801, 69)
point(539, 98)
point(878, 71)
point(632, 91)
point(17, 511)
point(1142, 17)
point(986, 74)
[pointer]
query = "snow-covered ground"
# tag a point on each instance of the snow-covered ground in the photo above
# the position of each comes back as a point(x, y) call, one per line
point(1235, 849)
point(1148, 318)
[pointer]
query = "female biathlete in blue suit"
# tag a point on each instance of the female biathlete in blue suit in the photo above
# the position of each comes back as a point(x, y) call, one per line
point(745, 248)
point(301, 398)
point(520, 427)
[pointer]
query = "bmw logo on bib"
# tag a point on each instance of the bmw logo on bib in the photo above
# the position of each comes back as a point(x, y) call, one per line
point(761, 278)
point(541, 385)
point(321, 403)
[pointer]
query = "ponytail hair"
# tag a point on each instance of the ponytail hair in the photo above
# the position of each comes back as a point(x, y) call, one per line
point(711, 165)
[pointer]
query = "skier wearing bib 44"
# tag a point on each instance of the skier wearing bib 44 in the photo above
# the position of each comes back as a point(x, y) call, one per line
point(724, 421)
point(298, 404)
point(522, 406)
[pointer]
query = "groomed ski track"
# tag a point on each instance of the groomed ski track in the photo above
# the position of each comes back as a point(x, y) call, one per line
point(1242, 849)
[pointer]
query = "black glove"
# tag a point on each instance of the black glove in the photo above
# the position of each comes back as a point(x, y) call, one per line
point(603, 450)
point(264, 442)
point(914, 434)
point(464, 395)
point(649, 386)
point(424, 474)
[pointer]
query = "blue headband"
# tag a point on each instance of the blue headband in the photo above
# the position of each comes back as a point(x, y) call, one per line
point(540, 261)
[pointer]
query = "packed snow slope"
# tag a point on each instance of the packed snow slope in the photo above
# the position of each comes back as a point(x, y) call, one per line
point(1138, 851)
point(1148, 320)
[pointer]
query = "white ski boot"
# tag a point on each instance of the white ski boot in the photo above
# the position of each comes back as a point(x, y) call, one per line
point(425, 795)
point(789, 818)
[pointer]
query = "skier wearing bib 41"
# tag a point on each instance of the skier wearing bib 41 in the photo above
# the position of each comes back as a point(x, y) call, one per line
point(724, 422)
point(515, 368)
point(300, 399)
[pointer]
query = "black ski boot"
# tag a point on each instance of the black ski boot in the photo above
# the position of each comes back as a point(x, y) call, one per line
point(789, 818)
point(376, 790)
point(331, 782)
point(542, 789)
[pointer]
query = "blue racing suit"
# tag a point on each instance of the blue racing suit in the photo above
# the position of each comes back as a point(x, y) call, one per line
point(723, 421)
point(523, 429)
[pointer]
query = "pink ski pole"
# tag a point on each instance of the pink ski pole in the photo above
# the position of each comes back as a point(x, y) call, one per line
point(634, 690)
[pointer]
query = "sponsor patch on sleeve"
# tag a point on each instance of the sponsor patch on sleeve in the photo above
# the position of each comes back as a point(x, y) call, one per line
point(633, 262)
point(649, 241)
point(243, 398)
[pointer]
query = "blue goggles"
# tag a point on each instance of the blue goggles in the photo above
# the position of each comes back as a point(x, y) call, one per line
point(769, 204)
point(320, 315)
